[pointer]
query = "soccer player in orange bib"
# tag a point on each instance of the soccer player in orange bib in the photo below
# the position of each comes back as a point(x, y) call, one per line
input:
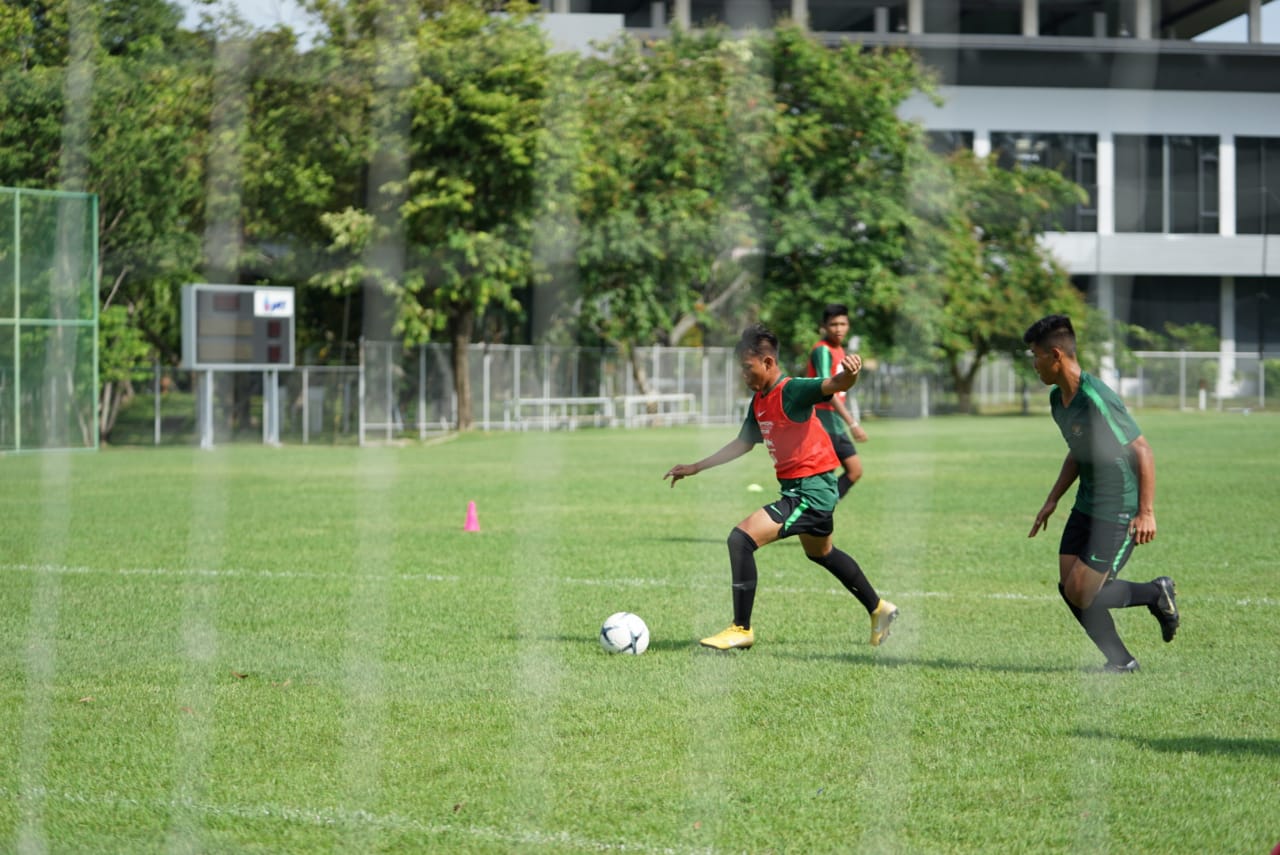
point(824, 361)
point(781, 416)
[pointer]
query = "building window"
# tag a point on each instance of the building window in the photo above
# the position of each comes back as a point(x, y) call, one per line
point(1257, 185)
point(1000, 17)
point(850, 17)
point(1081, 19)
point(945, 142)
point(1157, 301)
point(1073, 155)
point(1166, 184)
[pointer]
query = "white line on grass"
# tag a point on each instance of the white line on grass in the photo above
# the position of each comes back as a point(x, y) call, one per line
point(334, 817)
point(1244, 602)
point(183, 572)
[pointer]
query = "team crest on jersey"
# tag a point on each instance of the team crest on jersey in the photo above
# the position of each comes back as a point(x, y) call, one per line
point(1077, 430)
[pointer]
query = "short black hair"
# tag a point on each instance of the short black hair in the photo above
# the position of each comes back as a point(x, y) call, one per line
point(1052, 331)
point(757, 340)
point(834, 310)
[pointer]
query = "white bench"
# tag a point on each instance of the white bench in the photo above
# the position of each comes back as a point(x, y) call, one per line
point(522, 413)
point(672, 408)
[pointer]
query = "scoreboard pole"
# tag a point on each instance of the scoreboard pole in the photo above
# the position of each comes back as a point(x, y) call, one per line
point(206, 409)
point(271, 407)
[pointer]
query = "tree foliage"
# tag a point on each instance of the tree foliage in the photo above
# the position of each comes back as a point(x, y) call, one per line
point(99, 104)
point(432, 169)
point(995, 275)
point(461, 113)
point(841, 212)
point(679, 135)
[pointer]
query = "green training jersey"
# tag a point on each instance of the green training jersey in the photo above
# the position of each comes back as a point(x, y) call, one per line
point(1099, 430)
point(798, 397)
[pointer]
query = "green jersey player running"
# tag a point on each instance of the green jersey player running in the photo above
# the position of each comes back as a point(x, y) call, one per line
point(1115, 503)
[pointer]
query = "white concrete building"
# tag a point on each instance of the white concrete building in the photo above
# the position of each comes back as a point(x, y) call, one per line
point(1176, 140)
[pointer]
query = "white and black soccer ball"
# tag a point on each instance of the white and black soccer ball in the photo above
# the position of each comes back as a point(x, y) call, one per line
point(623, 632)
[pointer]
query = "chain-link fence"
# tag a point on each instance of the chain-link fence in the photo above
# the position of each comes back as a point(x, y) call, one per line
point(48, 320)
point(1190, 380)
point(317, 403)
point(398, 393)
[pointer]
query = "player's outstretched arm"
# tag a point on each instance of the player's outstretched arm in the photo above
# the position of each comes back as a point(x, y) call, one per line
point(732, 450)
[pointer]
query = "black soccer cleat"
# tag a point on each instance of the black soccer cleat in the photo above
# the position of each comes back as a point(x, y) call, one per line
point(1121, 667)
point(1165, 607)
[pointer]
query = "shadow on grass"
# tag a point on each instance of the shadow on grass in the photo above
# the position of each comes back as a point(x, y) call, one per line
point(867, 657)
point(890, 661)
point(1194, 744)
point(654, 644)
point(716, 540)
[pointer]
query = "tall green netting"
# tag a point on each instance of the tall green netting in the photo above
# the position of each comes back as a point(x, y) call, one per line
point(48, 320)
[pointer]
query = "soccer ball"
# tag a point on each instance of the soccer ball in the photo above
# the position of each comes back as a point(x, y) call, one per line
point(624, 632)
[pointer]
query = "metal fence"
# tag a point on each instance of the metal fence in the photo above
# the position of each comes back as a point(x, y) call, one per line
point(1203, 380)
point(401, 394)
point(48, 320)
point(317, 403)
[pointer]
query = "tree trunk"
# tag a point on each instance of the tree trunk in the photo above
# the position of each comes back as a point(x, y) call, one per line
point(964, 383)
point(115, 397)
point(106, 412)
point(690, 320)
point(638, 372)
point(964, 393)
point(460, 342)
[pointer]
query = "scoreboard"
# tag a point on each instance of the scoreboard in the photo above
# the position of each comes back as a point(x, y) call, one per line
point(237, 328)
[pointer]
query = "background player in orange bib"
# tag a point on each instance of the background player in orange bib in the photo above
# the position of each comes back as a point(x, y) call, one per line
point(825, 361)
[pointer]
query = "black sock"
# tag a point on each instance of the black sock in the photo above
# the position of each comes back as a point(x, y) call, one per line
point(843, 567)
point(742, 564)
point(1119, 594)
point(843, 484)
point(1100, 628)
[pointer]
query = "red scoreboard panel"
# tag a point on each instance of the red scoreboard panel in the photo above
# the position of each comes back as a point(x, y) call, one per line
point(237, 328)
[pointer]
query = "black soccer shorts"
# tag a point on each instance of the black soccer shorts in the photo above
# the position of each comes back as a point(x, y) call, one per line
point(1103, 545)
point(797, 516)
point(842, 444)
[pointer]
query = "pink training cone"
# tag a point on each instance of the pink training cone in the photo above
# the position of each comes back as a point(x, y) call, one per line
point(473, 520)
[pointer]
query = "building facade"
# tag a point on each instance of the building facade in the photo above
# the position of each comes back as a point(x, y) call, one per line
point(1176, 140)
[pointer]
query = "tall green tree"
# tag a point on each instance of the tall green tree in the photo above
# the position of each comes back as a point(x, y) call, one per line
point(995, 275)
point(144, 156)
point(679, 135)
point(302, 155)
point(841, 194)
point(100, 104)
point(462, 139)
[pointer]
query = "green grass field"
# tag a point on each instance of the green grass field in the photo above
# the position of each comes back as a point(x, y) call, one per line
point(301, 650)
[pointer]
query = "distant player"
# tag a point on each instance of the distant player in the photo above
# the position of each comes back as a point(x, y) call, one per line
point(781, 416)
point(1115, 502)
point(824, 361)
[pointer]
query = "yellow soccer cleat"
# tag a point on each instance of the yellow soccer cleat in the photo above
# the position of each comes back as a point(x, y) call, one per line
point(735, 637)
point(881, 620)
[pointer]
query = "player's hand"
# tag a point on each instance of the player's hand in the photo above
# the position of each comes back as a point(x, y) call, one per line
point(859, 435)
point(1143, 527)
point(682, 470)
point(1042, 518)
point(852, 364)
